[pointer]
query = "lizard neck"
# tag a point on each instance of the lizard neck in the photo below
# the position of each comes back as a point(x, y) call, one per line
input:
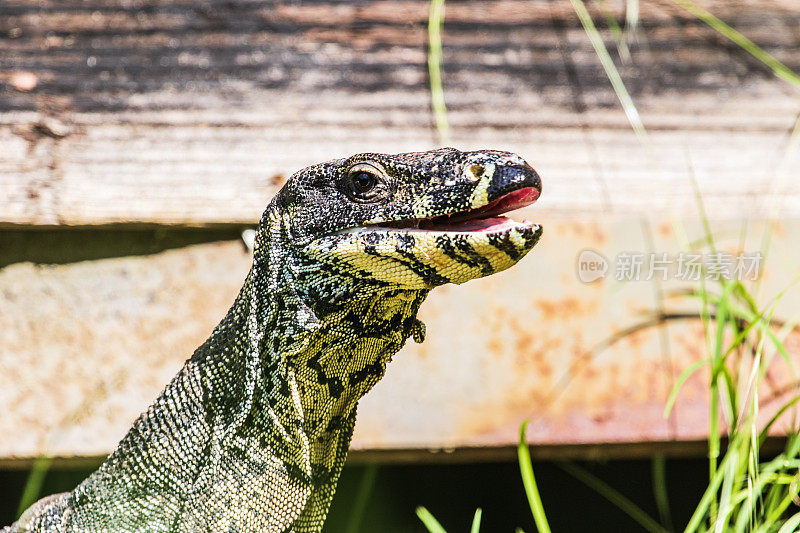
point(271, 394)
point(345, 357)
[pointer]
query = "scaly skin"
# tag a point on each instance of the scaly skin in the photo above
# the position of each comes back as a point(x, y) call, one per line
point(252, 433)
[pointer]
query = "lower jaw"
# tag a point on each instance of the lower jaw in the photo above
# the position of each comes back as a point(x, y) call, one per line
point(481, 225)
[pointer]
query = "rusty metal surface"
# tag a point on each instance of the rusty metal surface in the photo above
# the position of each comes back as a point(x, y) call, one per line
point(85, 347)
point(524, 346)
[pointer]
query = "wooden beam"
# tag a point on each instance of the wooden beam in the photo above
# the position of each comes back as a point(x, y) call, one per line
point(482, 454)
point(184, 113)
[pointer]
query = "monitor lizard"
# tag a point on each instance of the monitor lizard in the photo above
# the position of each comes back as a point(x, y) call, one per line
point(252, 433)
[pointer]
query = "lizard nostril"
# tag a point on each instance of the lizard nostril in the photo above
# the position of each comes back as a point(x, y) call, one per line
point(477, 170)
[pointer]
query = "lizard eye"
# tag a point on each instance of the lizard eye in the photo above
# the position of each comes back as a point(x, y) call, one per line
point(365, 182)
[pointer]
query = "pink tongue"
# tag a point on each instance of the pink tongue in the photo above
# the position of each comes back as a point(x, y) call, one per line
point(516, 199)
point(508, 202)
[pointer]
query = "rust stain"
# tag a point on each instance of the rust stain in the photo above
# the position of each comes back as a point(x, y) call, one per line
point(495, 338)
point(564, 308)
point(98, 398)
point(596, 396)
point(495, 346)
point(636, 340)
point(588, 233)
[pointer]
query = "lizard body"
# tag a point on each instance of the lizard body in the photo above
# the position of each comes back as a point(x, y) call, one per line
point(252, 433)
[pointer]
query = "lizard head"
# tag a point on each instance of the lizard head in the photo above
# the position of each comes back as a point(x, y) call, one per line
point(414, 220)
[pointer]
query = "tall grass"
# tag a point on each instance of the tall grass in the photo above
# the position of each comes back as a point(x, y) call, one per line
point(359, 505)
point(435, 21)
point(34, 483)
point(611, 71)
point(778, 68)
point(529, 482)
point(743, 493)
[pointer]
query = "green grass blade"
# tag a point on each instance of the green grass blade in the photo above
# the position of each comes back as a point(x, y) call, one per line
point(764, 327)
point(435, 21)
point(740, 338)
point(746, 514)
point(611, 72)
point(616, 31)
point(361, 498)
point(476, 521)
point(722, 323)
point(741, 292)
point(729, 390)
point(33, 485)
point(614, 496)
point(701, 207)
point(727, 504)
point(778, 68)
point(529, 481)
point(632, 14)
point(681, 380)
point(778, 510)
point(765, 431)
point(430, 522)
point(708, 496)
point(660, 494)
point(717, 368)
point(715, 349)
point(790, 525)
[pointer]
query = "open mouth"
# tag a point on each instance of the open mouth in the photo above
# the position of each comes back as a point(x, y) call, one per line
point(487, 217)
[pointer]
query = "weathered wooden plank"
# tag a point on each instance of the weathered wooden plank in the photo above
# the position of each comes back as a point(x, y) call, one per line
point(86, 346)
point(584, 173)
point(174, 112)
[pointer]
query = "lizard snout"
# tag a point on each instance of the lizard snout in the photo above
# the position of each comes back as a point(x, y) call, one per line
point(513, 176)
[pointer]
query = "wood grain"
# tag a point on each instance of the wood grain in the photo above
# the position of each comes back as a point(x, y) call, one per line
point(177, 112)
